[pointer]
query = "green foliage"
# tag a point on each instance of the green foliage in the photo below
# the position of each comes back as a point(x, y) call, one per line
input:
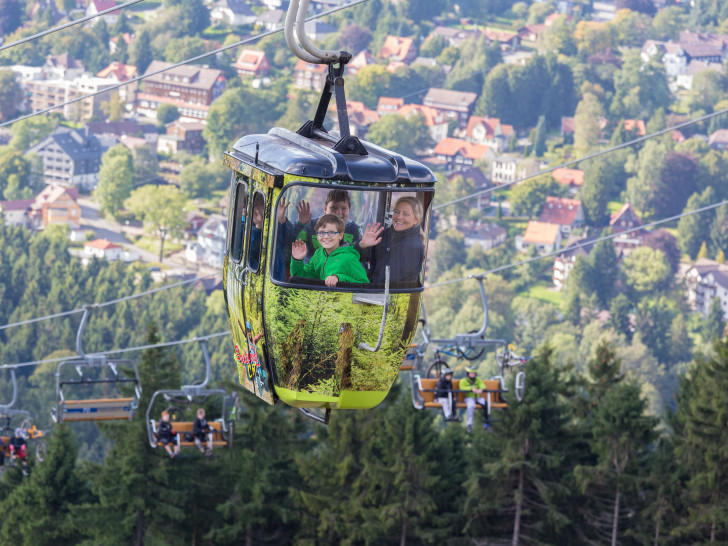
point(30, 131)
point(527, 198)
point(404, 136)
point(200, 178)
point(693, 231)
point(15, 174)
point(116, 177)
point(11, 94)
point(166, 113)
point(370, 83)
point(162, 209)
point(646, 271)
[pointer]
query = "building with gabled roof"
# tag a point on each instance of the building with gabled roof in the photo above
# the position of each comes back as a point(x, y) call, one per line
point(508, 168)
point(97, 6)
point(621, 221)
point(485, 234)
point(62, 67)
point(396, 48)
point(389, 105)
point(545, 237)
point(102, 249)
point(191, 88)
point(453, 36)
point(71, 157)
point(209, 247)
point(182, 136)
point(460, 154)
point(117, 72)
point(565, 261)
point(309, 76)
point(488, 131)
point(55, 205)
point(16, 212)
point(635, 126)
point(573, 178)
point(436, 123)
point(252, 62)
point(568, 214)
point(718, 139)
point(359, 61)
point(706, 280)
point(270, 19)
point(455, 105)
point(232, 12)
point(508, 40)
point(479, 182)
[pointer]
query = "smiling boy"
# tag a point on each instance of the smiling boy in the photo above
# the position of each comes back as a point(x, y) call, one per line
point(332, 262)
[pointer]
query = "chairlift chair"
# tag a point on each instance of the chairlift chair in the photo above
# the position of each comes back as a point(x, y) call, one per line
point(222, 430)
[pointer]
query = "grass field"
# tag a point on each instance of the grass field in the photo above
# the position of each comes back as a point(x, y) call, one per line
point(545, 292)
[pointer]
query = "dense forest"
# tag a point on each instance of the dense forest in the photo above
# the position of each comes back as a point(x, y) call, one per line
point(580, 460)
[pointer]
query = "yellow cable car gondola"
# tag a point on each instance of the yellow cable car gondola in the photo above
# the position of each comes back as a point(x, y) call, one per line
point(325, 260)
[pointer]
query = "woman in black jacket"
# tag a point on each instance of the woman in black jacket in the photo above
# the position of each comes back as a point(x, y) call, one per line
point(399, 246)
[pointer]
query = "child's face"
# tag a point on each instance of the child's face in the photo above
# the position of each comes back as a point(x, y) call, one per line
point(165, 417)
point(258, 217)
point(339, 208)
point(201, 414)
point(329, 242)
point(403, 217)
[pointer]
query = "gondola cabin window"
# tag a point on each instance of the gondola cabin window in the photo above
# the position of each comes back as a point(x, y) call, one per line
point(344, 239)
point(256, 231)
point(237, 229)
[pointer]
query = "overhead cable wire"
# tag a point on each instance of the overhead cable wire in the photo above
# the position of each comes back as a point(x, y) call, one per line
point(177, 65)
point(114, 351)
point(585, 158)
point(580, 245)
point(106, 303)
point(68, 25)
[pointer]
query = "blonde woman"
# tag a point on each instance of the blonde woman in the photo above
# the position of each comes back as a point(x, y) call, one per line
point(399, 246)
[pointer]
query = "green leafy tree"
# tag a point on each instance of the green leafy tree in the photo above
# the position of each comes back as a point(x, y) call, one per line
point(162, 209)
point(11, 94)
point(11, 14)
point(642, 187)
point(30, 131)
point(646, 271)
point(667, 23)
point(449, 250)
point(40, 509)
point(199, 178)
point(370, 83)
point(713, 326)
point(186, 47)
point(693, 231)
point(639, 89)
point(528, 197)
point(15, 174)
point(675, 184)
point(116, 178)
point(599, 178)
point(619, 309)
point(408, 137)
point(355, 38)
point(141, 53)
point(654, 321)
point(586, 123)
point(146, 165)
point(166, 113)
point(603, 259)
point(539, 139)
point(719, 231)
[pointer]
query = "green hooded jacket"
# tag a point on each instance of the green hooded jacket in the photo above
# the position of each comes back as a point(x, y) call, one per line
point(467, 385)
point(342, 262)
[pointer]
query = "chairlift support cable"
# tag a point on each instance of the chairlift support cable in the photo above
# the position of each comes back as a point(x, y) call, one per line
point(181, 63)
point(68, 25)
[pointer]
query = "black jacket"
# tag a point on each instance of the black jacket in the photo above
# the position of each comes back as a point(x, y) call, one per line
point(402, 251)
point(165, 431)
point(200, 427)
point(16, 442)
point(443, 388)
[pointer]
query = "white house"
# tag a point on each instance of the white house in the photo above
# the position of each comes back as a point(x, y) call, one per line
point(705, 281)
point(209, 247)
point(103, 249)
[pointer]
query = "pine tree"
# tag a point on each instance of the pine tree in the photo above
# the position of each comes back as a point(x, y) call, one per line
point(133, 485)
point(714, 324)
point(621, 434)
point(517, 477)
point(39, 510)
point(701, 436)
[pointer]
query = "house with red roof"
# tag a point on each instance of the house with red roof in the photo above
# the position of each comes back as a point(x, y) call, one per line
point(488, 131)
point(309, 76)
point(97, 6)
point(389, 105)
point(460, 154)
point(621, 221)
point(102, 249)
point(436, 123)
point(117, 72)
point(396, 48)
point(252, 62)
point(545, 237)
point(359, 61)
point(455, 105)
point(568, 214)
point(635, 126)
point(55, 205)
point(573, 178)
point(509, 41)
point(718, 140)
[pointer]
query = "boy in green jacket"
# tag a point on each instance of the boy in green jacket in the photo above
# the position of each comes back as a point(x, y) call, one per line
point(331, 263)
point(475, 388)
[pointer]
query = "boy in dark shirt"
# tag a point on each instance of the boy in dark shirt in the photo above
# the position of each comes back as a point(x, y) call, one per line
point(201, 431)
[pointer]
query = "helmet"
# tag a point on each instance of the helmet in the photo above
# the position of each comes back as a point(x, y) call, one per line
point(20, 433)
point(445, 371)
point(470, 369)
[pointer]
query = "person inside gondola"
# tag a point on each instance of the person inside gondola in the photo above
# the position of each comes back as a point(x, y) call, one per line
point(338, 203)
point(166, 436)
point(400, 246)
point(18, 449)
point(331, 263)
point(445, 397)
point(202, 432)
point(256, 233)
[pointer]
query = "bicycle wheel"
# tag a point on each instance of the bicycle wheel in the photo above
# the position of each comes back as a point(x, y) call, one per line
point(471, 353)
point(433, 372)
point(520, 385)
point(175, 414)
point(41, 450)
